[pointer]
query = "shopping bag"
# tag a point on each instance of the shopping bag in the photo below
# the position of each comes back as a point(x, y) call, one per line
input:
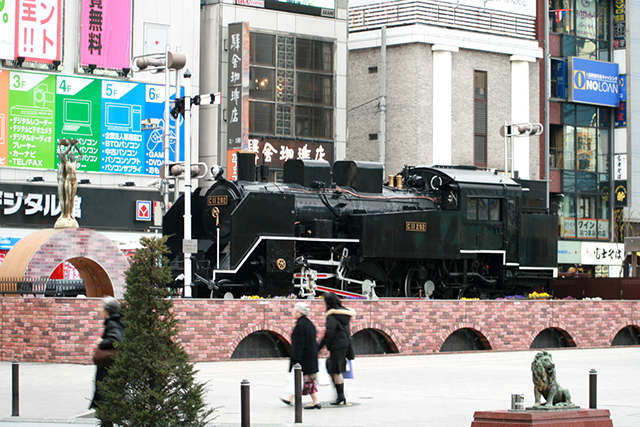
point(349, 373)
point(324, 378)
point(291, 383)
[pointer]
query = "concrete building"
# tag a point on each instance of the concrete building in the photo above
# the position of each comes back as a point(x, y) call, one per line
point(455, 74)
point(282, 70)
point(66, 73)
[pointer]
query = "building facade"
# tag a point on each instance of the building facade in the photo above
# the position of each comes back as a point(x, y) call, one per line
point(454, 74)
point(590, 150)
point(66, 72)
point(281, 68)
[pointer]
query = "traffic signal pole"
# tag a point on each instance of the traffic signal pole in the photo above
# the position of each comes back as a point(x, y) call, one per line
point(187, 182)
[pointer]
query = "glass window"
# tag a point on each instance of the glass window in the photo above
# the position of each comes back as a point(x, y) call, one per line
point(314, 55)
point(586, 115)
point(494, 209)
point(586, 207)
point(314, 122)
point(568, 149)
point(262, 83)
point(586, 182)
point(585, 18)
point(561, 16)
point(586, 148)
point(261, 116)
point(568, 45)
point(277, 62)
point(315, 88)
point(569, 114)
point(568, 182)
point(262, 49)
point(603, 150)
point(586, 48)
point(559, 88)
point(603, 20)
point(472, 210)
point(480, 117)
point(483, 209)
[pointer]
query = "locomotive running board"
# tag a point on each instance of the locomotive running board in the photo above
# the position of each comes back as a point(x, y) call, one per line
point(281, 238)
point(554, 270)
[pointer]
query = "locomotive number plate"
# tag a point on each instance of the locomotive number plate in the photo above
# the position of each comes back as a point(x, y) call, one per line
point(420, 227)
point(217, 201)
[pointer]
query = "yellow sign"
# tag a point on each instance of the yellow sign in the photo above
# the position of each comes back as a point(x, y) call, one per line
point(217, 200)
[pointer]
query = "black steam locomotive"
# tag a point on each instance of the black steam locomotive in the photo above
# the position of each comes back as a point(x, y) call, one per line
point(438, 232)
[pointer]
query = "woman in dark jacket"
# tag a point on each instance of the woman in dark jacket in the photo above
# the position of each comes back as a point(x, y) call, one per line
point(113, 333)
point(336, 338)
point(304, 350)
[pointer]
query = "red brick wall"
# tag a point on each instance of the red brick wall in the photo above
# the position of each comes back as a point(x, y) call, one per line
point(67, 329)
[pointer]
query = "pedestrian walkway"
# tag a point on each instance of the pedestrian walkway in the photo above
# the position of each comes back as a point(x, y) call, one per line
point(440, 390)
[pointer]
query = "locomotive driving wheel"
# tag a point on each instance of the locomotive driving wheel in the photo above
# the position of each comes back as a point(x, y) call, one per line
point(420, 281)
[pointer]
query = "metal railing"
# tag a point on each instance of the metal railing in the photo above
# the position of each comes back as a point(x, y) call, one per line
point(443, 14)
point(41, 286)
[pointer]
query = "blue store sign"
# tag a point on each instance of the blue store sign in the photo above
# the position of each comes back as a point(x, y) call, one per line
point(593, 82)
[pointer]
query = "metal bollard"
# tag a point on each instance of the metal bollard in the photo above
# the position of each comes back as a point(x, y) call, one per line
point(245, 405)
point(593, 389)
point(297, 375)
point(15, 388)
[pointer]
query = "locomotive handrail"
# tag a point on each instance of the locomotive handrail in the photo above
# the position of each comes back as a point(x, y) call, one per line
point(282, 238)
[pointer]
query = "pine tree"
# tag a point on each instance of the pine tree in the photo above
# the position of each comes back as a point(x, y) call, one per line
point(152, 382)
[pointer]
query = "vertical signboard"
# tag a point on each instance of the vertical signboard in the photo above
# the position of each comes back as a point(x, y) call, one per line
point(7, 29)
point(619, 25)
point(32, 119)
point(238, 87)
point(121, 131)
point(78, 117)
point(38, 30)
point(4, 116)
point(105, 36)
point(154, 107)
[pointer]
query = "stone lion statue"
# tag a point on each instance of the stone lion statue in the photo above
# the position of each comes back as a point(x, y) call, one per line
point(545, 384)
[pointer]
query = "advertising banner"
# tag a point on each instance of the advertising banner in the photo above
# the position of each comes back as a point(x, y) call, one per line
point(38, 30)
point(37, 110)
point(593, 82)
point(105, 35)
point(7, 29)
point(619, 25)
point(602, 253)
point(238, 86)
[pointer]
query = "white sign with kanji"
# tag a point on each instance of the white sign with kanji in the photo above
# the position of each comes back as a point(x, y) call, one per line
point(38, 30)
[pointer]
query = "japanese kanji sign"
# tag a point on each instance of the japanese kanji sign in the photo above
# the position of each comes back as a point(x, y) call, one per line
point(106, 33)
point(38, 30)
point(238, 86)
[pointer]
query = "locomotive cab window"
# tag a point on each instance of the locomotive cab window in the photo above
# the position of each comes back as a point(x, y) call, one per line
point(483, 209)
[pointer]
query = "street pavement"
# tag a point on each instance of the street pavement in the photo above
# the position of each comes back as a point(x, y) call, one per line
point(439, 390)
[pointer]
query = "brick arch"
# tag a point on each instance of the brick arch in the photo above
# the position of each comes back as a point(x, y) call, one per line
point(617, 329)
point(562, 328)
point(277, 332)
point(394, 341)
point(484, 337)
point(99, 261)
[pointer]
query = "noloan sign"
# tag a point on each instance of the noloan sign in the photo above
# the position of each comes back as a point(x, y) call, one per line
point(593, 82)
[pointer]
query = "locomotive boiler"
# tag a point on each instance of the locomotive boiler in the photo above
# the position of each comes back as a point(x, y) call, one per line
point(438, 232)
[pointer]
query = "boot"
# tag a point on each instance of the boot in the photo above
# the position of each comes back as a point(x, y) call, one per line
point(341, 399)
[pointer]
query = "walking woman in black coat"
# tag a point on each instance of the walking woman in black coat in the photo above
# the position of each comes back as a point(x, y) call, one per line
point(304, 350)
point(113, 333)
point(336, 338)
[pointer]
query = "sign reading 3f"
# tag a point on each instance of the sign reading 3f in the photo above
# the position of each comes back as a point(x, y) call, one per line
point(594, 82)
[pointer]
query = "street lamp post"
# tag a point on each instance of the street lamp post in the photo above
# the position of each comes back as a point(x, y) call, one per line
point(187, 183)
point(514, 130)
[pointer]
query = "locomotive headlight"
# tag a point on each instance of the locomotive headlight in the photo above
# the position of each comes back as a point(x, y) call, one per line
point(216, 172)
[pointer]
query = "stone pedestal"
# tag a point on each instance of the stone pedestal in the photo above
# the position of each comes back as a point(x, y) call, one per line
point(560, 418)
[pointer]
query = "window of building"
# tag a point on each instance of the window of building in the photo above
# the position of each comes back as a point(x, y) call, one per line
point(480, 118)
point(291, 92)
point(559, 74)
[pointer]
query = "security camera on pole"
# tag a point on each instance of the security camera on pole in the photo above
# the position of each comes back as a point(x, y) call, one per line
point(515, 130)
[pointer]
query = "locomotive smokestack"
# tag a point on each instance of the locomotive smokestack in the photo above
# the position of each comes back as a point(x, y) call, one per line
point(246, 166)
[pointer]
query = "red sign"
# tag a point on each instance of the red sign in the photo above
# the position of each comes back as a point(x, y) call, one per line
point(143, 210)
point(38, 30)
